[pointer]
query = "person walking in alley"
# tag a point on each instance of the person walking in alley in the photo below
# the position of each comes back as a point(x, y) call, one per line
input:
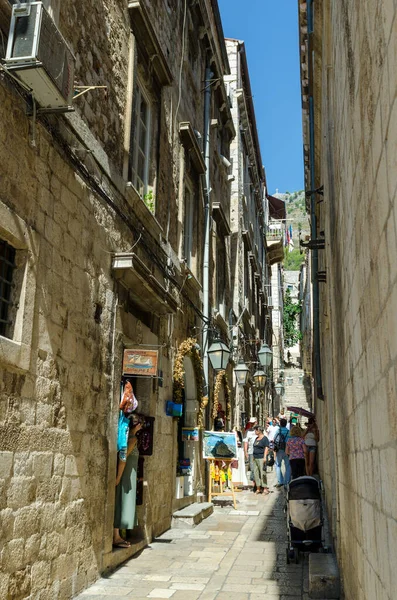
point(312, 438)
point(250, 436)
point(296, 451)
point(260, 450)
point(280, 442)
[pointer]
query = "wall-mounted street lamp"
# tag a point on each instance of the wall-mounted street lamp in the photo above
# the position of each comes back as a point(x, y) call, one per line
point(218, 353)
point(241, 371)
point(279, 389)
point(265, 356)
point(260, 379)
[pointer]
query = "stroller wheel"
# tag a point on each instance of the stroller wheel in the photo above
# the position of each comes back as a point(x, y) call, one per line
point(291, 555)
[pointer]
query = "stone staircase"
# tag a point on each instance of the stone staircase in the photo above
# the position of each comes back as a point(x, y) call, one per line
point(295, 393)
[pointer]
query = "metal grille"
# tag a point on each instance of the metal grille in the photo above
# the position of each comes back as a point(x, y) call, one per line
point(7, 265)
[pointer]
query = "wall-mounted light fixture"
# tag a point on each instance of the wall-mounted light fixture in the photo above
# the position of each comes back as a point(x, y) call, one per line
point(241, 371)
point(265, 356)
point(260, 378)
point(218, 353)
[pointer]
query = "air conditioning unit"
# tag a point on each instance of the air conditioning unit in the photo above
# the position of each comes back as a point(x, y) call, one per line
point(38, 54)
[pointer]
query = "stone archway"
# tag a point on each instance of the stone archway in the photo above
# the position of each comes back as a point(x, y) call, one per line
point(191, 449)
point(188, 390)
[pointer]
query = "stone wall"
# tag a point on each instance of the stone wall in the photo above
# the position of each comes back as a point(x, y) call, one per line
point(66, 208)
point(355, 104)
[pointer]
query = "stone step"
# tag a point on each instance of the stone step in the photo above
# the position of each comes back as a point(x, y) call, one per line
point(324, 581)
point(192, 515)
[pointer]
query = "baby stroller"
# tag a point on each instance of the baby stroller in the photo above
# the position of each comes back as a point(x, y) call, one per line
point(304, 517)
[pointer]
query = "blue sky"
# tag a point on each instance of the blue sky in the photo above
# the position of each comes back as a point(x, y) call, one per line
point(269, 29)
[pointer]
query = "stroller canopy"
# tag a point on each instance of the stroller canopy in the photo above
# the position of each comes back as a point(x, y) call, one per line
point(304, 488)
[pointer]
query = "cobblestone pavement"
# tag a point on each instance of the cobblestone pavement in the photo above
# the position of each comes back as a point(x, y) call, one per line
point(231, 553)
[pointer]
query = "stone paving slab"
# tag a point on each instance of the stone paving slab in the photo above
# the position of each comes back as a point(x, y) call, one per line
point(232, 553)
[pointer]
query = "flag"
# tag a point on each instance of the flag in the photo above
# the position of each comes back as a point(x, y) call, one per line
point(290, 232)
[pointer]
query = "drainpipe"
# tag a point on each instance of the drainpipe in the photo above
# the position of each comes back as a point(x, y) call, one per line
point(207, 225)
point(315, 284)
point(313, 230)
point(310, 16)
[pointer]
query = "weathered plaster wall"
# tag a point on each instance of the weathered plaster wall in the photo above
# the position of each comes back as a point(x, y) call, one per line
point(356, 129)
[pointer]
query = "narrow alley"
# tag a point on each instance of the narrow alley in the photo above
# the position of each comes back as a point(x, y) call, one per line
point(231, 552)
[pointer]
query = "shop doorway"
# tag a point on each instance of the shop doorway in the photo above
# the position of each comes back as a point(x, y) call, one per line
point(189, 450)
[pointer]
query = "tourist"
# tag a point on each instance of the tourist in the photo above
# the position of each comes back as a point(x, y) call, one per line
point(260, 451)
point(271, 432)
point(125, 514)
point(312, 438)
point(296, 451)
point(250, 436)
point(280, 442)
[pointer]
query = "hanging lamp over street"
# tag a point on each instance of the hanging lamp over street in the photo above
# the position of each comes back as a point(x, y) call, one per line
point(260, 378)
point(218, 353)
point(265, 356)
point(241, 371)
point(279, 389)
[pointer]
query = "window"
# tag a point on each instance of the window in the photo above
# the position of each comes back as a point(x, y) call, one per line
point(246, 276)
point(140, 142)
point(188, 227)
point(221, 274)
point(19, 249)
point(7, 266)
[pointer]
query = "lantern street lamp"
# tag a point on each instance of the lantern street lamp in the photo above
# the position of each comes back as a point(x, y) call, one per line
point(218, 353)
point(279, 389)
point(260, 378)
point(265, 356)
point(241, 371)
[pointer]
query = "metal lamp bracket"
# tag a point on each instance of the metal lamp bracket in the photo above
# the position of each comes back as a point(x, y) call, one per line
point(80, 90)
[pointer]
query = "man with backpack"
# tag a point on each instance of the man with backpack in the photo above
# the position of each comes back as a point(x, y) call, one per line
point(280, 442)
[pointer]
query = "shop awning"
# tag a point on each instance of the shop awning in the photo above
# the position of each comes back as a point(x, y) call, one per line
point(276, 208)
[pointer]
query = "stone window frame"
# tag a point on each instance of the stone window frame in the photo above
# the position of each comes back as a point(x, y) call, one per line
point(15, 351)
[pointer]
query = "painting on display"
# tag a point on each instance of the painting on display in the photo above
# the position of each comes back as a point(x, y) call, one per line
point(190, 434)
point(140, 363)
point(217, 444)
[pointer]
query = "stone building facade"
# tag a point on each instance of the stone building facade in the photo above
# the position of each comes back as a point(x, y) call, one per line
point(349, 84)
point(103, 215)
point(248, 209)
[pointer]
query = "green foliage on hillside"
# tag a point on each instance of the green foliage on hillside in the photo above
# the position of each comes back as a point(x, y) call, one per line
point(292, 310)
point(297, 217)
point(293, 260)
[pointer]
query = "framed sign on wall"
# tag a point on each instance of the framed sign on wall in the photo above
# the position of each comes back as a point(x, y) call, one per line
point(140, 363)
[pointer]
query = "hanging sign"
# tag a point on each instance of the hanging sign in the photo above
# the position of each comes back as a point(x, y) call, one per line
point(140, 362)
